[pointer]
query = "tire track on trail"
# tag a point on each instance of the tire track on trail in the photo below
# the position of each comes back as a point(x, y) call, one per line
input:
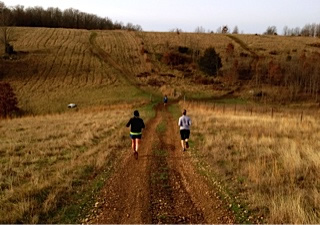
point(161, 186)
point(125, 196)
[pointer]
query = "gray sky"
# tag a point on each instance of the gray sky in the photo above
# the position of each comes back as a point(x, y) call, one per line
point(251, 16)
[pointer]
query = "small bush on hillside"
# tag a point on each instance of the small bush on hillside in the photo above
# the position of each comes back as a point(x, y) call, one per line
point(230, 49)
point(183, 50)
point(8, 100)
point(210, 62)
point(289, 57)
point(175, 59)
point(274, 52)
point(244, 55)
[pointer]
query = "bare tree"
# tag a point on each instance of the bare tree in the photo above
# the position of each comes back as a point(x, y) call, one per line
point(286, 31)
point(272, 30)
point(318, 30)
point(235, 30)
point(176, 30)
point(6, 32)
point(306, 30)
point(200, 29)
point(219, 30)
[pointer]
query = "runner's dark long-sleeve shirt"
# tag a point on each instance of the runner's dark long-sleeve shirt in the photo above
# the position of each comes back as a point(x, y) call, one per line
point(136, 124)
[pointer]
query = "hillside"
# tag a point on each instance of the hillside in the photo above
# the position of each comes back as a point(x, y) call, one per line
point(54, 67)
point(247, 162)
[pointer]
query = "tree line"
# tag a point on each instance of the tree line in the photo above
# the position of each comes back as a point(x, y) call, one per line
point(56, 18)
point(309, 30)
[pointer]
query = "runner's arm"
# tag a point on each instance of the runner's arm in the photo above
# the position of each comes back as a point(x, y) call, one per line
point(128, 124)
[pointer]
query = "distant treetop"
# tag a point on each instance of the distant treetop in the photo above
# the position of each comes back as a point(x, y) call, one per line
point(56, 18)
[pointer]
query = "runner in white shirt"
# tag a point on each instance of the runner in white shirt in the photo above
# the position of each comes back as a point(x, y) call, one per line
point(184, 123)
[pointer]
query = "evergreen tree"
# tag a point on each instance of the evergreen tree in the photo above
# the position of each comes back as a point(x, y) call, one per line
point(210, 62)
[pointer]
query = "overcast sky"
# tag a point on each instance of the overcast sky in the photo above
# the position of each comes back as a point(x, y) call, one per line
point(251, 16)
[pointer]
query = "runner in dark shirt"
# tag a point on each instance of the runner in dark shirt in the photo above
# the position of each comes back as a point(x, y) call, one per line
point(137, 125)
point(165, 100)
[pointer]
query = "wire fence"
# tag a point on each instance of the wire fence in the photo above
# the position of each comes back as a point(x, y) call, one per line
point(255, 110)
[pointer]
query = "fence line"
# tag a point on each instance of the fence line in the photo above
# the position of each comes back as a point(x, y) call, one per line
point(239, 109)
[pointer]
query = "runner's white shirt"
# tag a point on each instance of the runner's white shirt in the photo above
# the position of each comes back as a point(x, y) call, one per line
point(184, 122)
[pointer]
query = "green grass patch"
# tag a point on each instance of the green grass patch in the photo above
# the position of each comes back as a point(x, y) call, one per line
point(73, 207)
point(160, 152)
point(162, 127)
point(175, 111)
point(162, 217)
point(56, 101)
point(148, 111)
point(232, 101)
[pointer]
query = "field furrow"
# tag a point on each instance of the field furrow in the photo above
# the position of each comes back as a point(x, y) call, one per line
point(49, 36)
point(40, 43)
point(61, 72)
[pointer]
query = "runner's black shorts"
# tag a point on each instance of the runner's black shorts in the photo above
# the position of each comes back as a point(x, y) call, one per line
point(136, 136)
point(184, 134)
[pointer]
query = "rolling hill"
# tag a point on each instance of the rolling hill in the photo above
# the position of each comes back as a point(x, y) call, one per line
point(54, 67)
point(246, 164)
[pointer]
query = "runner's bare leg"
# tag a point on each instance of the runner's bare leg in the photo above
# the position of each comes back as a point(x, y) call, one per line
point(133, 144)
point(182, 144)
point(137, 144)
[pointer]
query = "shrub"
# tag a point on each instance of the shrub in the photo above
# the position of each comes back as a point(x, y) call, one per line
point(274, 52)
point(210, 62)
point(8, 100)
point(230, 49)
point(183, 50)
point(175, 59)
point(244, 55)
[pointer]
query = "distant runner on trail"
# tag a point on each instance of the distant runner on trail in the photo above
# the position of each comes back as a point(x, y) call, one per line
point(184, 123)
point(137, 125)
point(165, 100)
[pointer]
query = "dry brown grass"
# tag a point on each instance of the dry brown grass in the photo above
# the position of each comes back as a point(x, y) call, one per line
point(57, 66)
point(283, 45)
point(272, 164)
point(45, 158)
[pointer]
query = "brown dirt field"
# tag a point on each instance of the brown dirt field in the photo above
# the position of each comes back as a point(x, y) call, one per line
point(161, 186)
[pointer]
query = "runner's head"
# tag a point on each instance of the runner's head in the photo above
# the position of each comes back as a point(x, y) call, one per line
point(184, 112)
point(136, 113)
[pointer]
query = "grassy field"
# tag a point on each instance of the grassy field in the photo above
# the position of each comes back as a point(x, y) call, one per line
point(55, 67)
point(269, 164)
point(58, 66)
point(46, 159)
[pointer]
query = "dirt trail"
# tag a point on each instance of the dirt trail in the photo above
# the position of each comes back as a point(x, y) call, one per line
point(161, 186)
